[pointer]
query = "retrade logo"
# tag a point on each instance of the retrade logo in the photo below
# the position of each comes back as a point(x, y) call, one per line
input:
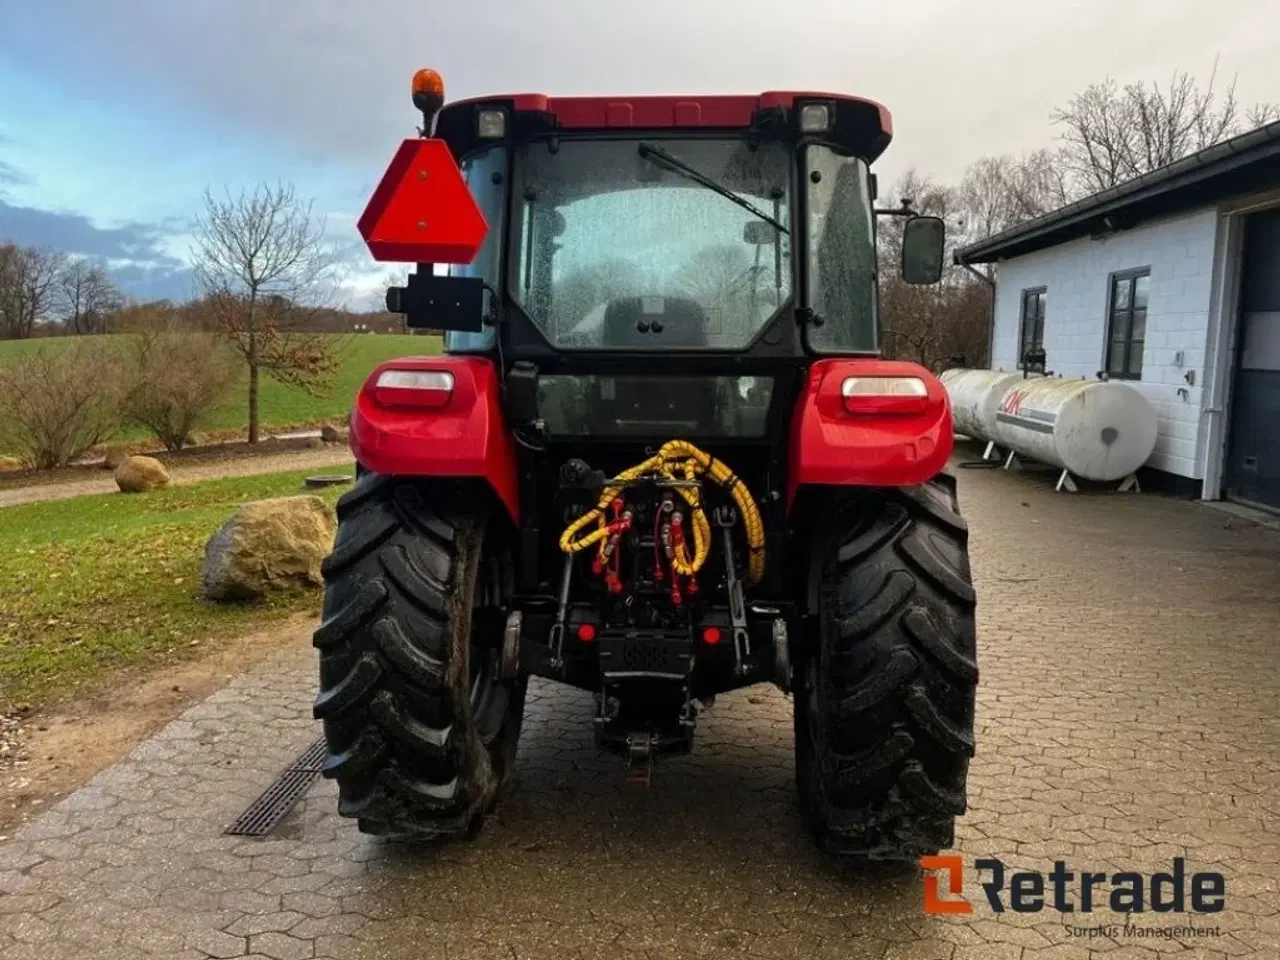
point(953, 869)
point(1065, 891)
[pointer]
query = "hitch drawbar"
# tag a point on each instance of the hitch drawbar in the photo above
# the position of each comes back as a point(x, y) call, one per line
point(640, 751)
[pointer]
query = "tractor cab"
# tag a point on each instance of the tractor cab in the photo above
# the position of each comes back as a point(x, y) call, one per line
point(667, 264)
point(659, 459)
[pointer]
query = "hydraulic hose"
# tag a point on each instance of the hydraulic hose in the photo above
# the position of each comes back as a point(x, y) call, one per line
point(679, 460)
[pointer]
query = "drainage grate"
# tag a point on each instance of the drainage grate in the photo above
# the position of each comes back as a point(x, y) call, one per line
point(264, 814)
point(312, 759)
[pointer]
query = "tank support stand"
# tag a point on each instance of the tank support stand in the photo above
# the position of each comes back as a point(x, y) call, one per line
point(1068, 483)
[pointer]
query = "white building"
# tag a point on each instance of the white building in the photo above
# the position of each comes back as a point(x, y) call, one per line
point(1171, 282)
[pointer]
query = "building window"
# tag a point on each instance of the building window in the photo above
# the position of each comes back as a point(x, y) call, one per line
point(1031, 331)
point(1127, 323)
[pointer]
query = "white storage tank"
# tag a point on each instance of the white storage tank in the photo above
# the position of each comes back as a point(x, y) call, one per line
point(975, 394)
point(1095, 429)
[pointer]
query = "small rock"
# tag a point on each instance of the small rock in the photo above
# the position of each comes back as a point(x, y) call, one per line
point(141, 475)
point(268, 546)
point(315, 443)
point(331, 434)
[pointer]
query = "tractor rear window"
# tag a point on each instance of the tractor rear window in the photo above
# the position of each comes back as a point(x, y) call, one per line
point(640, 407)
point(613, 249)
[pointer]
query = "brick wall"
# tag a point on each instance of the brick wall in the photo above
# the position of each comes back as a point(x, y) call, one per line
point(1179, 252)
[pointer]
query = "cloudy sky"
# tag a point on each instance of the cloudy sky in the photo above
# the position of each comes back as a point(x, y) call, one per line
point(114, 116)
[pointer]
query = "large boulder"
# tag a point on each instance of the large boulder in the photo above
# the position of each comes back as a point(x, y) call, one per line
point(141, 475)
point(268, 546)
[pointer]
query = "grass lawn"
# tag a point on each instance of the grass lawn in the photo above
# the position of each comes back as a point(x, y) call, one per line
point(93, 585)
point(282, 406)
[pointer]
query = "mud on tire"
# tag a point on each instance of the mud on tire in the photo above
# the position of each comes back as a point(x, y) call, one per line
point(884, 700)
point(421, 731)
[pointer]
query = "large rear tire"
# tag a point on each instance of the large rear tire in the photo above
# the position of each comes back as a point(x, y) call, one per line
point(421, 730)
point(884, 699)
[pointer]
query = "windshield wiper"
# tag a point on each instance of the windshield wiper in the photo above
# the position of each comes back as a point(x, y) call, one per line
point(658, 155)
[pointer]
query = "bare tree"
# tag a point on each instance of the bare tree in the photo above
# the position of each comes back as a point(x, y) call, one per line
point(28, 288)
point(997, 193)
point(929, 324)
point(1112, 134)
point(88, 297)
point(263, 264)
point(910, 316)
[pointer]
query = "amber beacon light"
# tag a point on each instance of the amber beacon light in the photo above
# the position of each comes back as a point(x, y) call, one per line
point(428, 95)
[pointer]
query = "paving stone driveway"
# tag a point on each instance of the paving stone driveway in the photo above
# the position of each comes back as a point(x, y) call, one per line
point(1128, 715)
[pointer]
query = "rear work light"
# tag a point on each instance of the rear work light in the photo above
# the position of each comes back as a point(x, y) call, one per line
point(491, 124)
point(815, 118)
point(427, 389)
point(885, 395)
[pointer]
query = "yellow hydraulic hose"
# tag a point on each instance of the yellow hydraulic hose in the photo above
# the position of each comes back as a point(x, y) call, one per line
point(679, 460)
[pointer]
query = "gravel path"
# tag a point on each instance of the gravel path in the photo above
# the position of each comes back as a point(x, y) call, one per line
point(274, 463)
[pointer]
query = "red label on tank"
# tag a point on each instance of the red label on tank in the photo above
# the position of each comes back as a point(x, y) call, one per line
point(1012, 402)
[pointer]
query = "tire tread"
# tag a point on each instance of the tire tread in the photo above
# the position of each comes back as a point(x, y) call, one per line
point(409, 759)
point(885, 718)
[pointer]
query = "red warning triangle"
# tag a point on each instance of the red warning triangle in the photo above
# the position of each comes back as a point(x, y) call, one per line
point(423, 211)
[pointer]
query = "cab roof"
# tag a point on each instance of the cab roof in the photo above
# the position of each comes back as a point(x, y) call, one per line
point(861, 126)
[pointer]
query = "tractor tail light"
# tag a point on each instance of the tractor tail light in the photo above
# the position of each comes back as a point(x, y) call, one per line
point(877, 396)
point(422, 389)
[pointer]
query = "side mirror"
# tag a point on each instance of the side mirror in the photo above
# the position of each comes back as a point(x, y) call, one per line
point(923, 242)
point(759, 234)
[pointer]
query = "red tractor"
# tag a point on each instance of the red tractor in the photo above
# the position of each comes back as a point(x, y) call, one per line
point(659, 459)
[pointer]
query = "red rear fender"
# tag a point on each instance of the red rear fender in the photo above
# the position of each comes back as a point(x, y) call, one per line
point(438, 417)
point(874, 437)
